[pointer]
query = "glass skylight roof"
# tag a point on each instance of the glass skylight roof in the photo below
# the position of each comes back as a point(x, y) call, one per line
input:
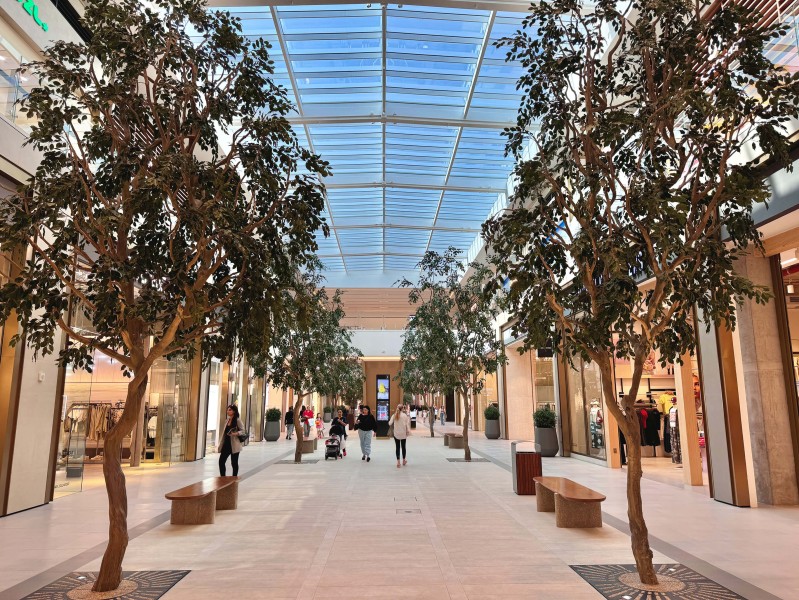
point(406, 103)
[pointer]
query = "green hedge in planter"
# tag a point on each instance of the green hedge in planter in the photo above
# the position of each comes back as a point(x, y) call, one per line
point(328, 409)
point(491, 413)
point(544, 418)
point(273, 414)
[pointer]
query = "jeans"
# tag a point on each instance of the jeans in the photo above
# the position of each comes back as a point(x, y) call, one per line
point(366, 441)
point(289, 430)
point(400, 444)
point(442, 418)
point(234, 460)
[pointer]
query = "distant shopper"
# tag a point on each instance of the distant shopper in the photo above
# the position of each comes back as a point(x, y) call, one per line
point(289, 422)
point(320, 428)
point(366, 424)
point(231, 444)
point(339, 427)
point(443, 415)
point(402, 429)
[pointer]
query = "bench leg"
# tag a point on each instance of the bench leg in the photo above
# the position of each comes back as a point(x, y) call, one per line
point(577, 514)
point(545, 499)
point(228, 497)
point(199, 511)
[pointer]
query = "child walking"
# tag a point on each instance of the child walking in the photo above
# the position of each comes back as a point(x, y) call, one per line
point(320, 427)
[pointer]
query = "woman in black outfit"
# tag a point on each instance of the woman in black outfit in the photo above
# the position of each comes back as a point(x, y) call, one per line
point(366, 425)
point(339, 427)
point(289, 422)
point(231, 444)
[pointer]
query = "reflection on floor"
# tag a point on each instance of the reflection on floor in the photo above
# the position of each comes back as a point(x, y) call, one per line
point(434, 529)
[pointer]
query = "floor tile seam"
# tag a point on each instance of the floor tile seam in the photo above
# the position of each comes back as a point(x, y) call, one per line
point(443, 560)
point(701, 566)
point(75, 562)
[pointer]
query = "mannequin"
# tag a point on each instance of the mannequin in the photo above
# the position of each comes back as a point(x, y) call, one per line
point(674, 426)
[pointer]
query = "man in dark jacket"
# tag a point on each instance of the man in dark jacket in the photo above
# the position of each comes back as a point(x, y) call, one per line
point(289, 422)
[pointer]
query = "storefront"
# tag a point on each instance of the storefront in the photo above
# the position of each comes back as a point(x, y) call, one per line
point(528, 383)
point(92, 403)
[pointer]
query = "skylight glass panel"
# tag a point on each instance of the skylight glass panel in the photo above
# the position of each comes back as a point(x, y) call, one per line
point(406, 240)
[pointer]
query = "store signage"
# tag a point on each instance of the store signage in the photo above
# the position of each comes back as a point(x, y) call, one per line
point(30, 7)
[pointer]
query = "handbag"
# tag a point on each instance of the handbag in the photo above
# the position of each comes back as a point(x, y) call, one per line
point(391, 430)
point(243, 437)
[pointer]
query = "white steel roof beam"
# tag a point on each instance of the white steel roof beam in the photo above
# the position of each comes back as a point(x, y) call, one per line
point(295, 89)
point(486, 40)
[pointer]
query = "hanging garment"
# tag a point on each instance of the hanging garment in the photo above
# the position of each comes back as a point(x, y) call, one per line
point(653, 428)
point(676, 454)
point(666, 433)
point(98, 421)
point(642, 417)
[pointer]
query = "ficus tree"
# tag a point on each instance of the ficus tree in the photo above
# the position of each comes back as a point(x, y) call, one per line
point(172, 205)
point(416, 375)
point(343, 377)
point(452, 330)
point(637, 199)
point(306, 338)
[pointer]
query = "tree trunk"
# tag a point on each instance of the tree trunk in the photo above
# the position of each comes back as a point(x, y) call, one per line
point(298, 429)
point(431, 415)
point(110, 574)
point(629, 424)
point(639, 534)
point(467, 404)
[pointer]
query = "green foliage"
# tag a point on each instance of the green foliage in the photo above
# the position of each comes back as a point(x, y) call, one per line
point(273, 414)
point(307, 340)
point(450, 341)
point(640, 174)
point(328, 409)
point(173, 203)
point(543, 418)
point(491, 413)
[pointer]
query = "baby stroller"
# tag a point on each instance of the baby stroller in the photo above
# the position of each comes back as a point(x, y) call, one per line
point(333, 447)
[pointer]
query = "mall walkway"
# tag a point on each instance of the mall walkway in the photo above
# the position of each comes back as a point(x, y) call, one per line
point(435, 529)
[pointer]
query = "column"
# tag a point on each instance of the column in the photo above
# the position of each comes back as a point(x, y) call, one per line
point(766, 395)
point(689, 433)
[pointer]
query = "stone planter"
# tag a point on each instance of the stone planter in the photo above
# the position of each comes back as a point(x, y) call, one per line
point(546, 441)
point(492, 429)
point(327, 417)
point(272, 431)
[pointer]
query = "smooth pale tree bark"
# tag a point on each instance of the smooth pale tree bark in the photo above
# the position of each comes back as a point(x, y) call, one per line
point(431, 415)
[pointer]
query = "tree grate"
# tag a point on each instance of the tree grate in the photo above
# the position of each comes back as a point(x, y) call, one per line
point(409, 511)
point(678, 582)
point(149, 585)
point(463, 460)
point(312, 461)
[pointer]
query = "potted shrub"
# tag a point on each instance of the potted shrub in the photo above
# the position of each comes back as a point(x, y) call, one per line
point(272, 432)
point(546, 438)
point(492, 422)
point(327, 414)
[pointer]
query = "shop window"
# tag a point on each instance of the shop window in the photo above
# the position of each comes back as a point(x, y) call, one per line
point(586, 409)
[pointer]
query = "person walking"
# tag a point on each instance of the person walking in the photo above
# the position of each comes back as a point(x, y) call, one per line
point(443, 415)
point(289, 422)
point(231, 444)
point(401, 423)
point(307, 414)
point(339, 427)
point(366, 424)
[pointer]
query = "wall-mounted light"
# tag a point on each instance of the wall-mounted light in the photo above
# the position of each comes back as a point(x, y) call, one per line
point(789, 288)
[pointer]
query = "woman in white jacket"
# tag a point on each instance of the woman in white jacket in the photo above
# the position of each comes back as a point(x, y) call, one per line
point(402, 429)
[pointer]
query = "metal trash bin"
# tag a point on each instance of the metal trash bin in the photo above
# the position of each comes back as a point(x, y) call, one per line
point(525, 464)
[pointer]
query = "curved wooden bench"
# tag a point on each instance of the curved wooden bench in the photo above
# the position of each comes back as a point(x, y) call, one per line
point(574, 505)
point(197, 503)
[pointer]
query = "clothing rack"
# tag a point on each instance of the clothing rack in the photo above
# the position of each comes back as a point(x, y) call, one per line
point(113, 414)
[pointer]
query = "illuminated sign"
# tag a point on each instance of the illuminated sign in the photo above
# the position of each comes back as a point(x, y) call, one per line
point(33, 10)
